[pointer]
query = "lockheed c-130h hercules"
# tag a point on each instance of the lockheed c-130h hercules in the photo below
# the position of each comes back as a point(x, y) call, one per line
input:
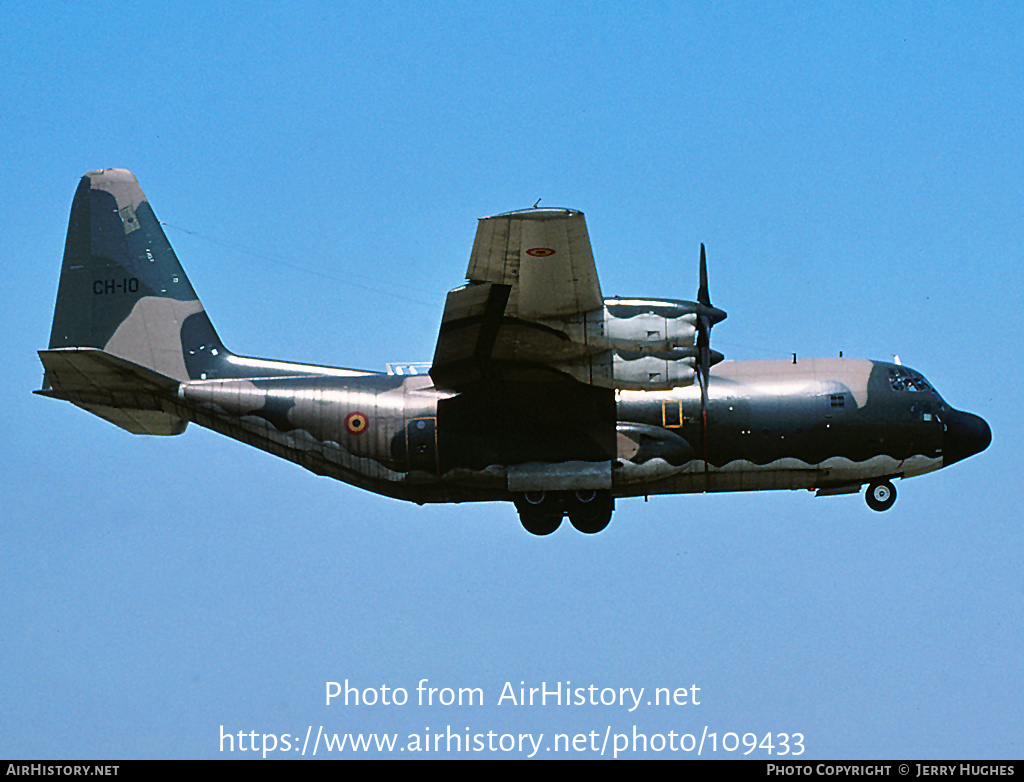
point(541, 391)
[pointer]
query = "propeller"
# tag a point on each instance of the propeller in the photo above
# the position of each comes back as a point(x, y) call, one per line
point(707, 316)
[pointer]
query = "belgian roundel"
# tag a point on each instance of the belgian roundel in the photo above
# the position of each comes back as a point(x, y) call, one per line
point(540, 252)
point(356, 423)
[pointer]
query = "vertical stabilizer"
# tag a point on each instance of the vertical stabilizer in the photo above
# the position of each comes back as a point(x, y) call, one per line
point(122, 289)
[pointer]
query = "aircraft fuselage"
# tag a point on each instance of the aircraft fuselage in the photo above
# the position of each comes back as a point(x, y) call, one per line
point(810, 424)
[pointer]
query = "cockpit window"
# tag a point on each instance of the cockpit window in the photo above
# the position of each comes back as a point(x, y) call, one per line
point(902, 379)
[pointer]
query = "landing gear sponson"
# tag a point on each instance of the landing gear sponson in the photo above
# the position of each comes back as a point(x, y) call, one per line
point(541, 512)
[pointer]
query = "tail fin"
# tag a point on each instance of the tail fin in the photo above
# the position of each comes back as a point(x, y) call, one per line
point(122, 289)
point(127, 327)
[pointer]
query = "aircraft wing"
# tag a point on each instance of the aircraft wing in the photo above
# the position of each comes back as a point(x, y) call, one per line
point(532, 304)
point(544, 255)
point(522, 343)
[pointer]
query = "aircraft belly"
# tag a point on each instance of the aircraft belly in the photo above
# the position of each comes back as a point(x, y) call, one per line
point(739, 475)
point(785, 473)
point(342, 428)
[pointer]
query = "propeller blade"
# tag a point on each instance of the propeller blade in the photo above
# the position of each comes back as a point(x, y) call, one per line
point(703, 296)
point(704, 349)
point(703, 334)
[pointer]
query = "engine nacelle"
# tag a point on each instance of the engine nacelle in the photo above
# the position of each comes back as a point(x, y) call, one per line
point(655, 371)
point(649, 324)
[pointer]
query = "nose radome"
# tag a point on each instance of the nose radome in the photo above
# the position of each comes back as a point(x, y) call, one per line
point(966, 434)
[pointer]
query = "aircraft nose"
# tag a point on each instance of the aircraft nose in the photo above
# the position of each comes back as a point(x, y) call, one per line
point(966, 434)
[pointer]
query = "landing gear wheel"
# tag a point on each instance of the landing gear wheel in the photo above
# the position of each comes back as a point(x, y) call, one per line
point(880, 495)
point(540, 513)
point(590, 511)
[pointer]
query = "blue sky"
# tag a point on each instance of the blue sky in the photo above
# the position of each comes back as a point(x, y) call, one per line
point(856, 174)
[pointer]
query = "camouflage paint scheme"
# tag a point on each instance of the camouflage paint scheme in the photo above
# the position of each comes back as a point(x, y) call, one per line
point(541, 391)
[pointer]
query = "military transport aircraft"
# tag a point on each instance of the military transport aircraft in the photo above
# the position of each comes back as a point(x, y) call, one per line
point(541, 391)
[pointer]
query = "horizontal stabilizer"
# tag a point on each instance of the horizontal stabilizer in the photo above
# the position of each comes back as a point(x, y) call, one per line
point(126, 394)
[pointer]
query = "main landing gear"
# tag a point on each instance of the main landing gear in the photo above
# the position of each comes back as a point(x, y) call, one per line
point(541, 512)
point(880, 495)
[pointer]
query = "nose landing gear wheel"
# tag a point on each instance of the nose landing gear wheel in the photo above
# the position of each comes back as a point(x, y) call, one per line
point(880, 495)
